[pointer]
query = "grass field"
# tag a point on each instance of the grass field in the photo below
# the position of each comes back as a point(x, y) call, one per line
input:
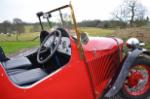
point(21, 37)
point(15, 46)
point(98, 31)
point(26, 40)
point(11, 46)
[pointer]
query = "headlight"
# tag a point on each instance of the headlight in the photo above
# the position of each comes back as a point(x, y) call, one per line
point(133, 43)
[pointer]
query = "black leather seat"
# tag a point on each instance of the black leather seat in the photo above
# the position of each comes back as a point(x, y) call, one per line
point(28, 76)
point(19, 73)
point(19, 62)
point(15, 71)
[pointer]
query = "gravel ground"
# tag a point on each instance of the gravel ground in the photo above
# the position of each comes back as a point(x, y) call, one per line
point(23, 52)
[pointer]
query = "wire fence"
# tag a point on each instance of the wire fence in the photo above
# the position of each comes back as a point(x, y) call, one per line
point(21, 37)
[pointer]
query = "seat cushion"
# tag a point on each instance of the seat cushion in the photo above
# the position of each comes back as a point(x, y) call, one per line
point(28, 77)
point(19, 62)
point(15, 71)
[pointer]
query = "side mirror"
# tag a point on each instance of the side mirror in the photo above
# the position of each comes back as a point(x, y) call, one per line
point(84, 38)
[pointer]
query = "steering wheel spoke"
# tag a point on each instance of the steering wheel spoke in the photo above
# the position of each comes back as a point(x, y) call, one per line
point(43, 49)
point(51, 43)
point(51, 49)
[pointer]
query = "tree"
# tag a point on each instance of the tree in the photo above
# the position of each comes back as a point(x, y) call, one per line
point(141, 22)
point(129, 11)
point(6, 26)
point(18, 25)
point(89, 23)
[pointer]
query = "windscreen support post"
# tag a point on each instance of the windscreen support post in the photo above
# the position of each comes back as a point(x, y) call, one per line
point(39, 14)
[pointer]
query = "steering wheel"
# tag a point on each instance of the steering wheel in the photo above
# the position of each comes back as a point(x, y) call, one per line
point(50, 43)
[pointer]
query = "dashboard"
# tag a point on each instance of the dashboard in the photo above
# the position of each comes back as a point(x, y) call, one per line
point(65, 47)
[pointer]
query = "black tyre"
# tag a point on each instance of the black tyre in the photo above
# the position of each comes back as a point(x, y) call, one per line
point(137, 84)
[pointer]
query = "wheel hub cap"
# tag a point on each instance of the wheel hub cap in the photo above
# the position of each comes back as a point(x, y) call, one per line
point(137, 81)
point(135, 78)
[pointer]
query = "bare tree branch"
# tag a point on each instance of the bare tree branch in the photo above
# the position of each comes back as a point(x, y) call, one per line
point(129, 11)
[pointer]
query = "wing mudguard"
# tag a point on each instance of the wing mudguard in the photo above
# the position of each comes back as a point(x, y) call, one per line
point(115, 88)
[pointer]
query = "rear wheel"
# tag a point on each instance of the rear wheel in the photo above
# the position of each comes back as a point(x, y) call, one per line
point(137, 84)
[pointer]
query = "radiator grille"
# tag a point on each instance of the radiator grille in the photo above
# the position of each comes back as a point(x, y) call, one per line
point(102, 68)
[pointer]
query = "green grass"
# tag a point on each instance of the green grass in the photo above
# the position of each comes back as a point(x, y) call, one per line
point(11, 46)
point(147, 46)
point(15, 46)
point(97, 31)
point(21, 37)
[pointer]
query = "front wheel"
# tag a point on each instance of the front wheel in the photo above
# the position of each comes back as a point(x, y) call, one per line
point(137, 84)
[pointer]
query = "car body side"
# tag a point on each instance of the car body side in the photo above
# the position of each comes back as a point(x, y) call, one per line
point(72, 81)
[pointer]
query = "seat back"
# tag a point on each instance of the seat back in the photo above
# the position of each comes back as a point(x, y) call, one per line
point(2, 55)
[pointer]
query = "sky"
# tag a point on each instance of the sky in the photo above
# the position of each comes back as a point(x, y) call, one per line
point(84, 9)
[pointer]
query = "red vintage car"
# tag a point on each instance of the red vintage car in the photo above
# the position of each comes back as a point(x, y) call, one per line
point(71, 65)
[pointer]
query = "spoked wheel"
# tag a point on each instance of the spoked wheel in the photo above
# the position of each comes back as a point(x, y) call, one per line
point(137, 84)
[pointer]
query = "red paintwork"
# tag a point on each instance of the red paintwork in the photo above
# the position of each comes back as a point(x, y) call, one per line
point(73, 81)
point(102, 58)
point(101, 44)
